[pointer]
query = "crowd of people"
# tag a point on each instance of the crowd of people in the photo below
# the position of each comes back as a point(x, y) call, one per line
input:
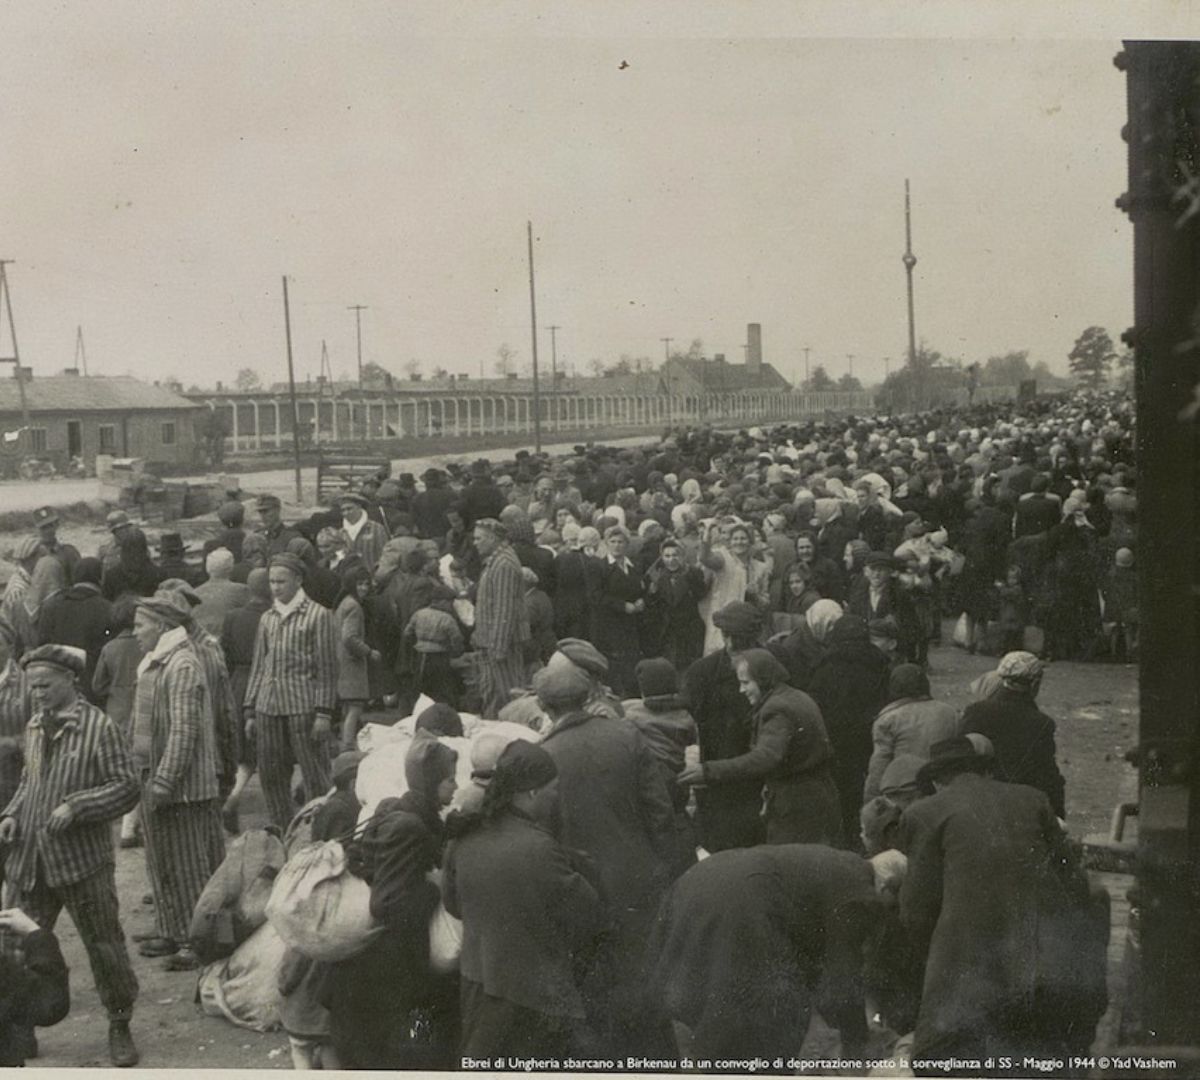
point(744, 803)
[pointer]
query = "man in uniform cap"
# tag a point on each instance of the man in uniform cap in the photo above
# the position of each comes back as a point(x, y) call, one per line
point(366, 536)
point(481, 497)
point(47, 523)
point(276, 534)
point(292, 690)
point(175, 747)
point(119, 526)
point(57, 829)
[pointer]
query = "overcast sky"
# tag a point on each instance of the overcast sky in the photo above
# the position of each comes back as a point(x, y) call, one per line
point(163, 165)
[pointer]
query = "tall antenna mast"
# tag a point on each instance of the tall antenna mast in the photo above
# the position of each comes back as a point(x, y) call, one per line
point(15, 359)
point(80, 351)
point(909, 260)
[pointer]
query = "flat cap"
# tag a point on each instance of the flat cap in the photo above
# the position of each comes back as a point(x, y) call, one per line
point(45, 515)
point(165, 606)
point(292, 562)
point(738, 617)
point(66, 657)
point(1020, 666)
point(268, 502)
point(583, 654)
point(117, 519)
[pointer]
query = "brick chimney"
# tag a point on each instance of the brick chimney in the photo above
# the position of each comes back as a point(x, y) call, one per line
point(754, 346)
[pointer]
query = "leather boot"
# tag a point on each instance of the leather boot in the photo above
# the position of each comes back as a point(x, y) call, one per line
point(122, 1051)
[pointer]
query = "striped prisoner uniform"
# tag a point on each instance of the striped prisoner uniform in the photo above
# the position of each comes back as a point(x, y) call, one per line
point(501, 629)
point(77, 757)
point(225, 713)
point(293, 677)
point(174, 727)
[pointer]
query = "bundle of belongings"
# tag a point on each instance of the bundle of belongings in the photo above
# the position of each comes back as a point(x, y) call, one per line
point(275, 907)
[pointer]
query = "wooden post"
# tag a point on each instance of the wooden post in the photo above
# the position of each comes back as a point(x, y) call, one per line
point(287, 323)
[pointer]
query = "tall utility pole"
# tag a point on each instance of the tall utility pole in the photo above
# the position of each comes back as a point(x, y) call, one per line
point(807, 350)
point(667, 345)
point(15, 359)
point(537, 397)
point(850, 358)
point(80, 351)
point(554, 372)
point(909, 260)
point(358, 309)
point(287, 325)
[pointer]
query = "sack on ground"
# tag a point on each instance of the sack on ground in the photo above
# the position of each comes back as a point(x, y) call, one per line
point(319, 907)
point(445, 941)
point(961, 632)
point(244, 989)
point(233, 903)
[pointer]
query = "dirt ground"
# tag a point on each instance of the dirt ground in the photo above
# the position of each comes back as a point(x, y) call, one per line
point(1095, 707)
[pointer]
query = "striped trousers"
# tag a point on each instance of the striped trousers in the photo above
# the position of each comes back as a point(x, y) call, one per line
point(284, 742)
point(184, 846)
point(92, 905)
point(498, 674)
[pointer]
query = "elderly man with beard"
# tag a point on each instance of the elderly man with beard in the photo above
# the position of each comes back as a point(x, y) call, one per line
point(57, 829)
point(501, 623)
point(175, 745)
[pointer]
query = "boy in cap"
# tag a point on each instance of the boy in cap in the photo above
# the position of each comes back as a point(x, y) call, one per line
point(57, 829)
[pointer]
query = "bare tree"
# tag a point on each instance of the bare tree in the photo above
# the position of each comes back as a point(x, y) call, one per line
point(247, 379)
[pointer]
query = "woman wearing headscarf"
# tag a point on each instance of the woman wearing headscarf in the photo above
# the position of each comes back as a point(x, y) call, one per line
point(527, 914)
point(825, 575)
point(803, 647)
point(570, 598)
point(749, 942)
point(834, 532)
point(910, 723)
point(1074, 553)
point(387, 1009)
point(790, 756)
point(254, 557)
point(849, 686)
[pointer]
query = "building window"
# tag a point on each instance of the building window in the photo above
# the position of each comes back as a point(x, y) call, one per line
point(108, 437)
point(37, 439)
point(168, 433)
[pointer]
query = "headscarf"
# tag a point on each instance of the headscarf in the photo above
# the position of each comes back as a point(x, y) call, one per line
point(440, 719)
point(908, 681)
point(427, 763)
point(391, 558)
point(522, 766)
point(986, 685)
point(764, 669)
point(821, 617)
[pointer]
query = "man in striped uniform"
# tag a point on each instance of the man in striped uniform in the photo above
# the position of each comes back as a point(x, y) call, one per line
point(501, 621)
point(292, 690)
point(366, 537)
point(176, 748)
point(78, 779)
